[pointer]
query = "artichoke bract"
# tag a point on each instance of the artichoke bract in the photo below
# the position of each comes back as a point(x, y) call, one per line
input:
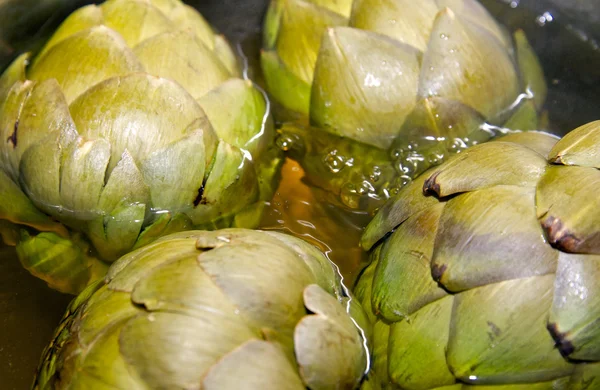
point(132, 122)
point(226, 309)
point(486, 269)
point(396, 80)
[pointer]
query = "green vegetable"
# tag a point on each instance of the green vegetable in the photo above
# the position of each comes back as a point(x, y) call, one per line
point(131, 123)
point(227, 309)
point(486, 269)
point(405, 83)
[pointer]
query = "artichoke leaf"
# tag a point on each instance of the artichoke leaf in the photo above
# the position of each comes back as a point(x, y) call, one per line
point(402, 283)
point(114, 234)
point(364, 286)
point(476, 13)
point(94, 321)
point(134, 20)
point(164, 224)
point(125, 185)
point(246, 123)
point(409, 201)
point(569, 208)
point(231, 184)
point(323, 270)
point(45, 112)
point(97, 53)
point(586, 376)
point(62, 263)
point(176, 173)
point(558, 384)
point(258, 364)
point(141, 113)
point(80, 20)
point(172, 350)
point(225, 54)
point(272, 23)
point(538, 141)
point(18, 209)
point(10, 112)
point(441, 119)
point(131, 268)
point(104, 367)
point(498, 333)
point(13, 74)
point(379, 352)
point(342, 7)
point(380, 84)
point(181, 286)
point(82, 177)
point(484, 166)
point(289, 89)
point(483, 237)
point(406, 21)
point(302, 26)
point(417, 348)
point(457, 65)
point(187, 18)
point(574, 317)
point(277, 280)
point(579, 147)
point(323, 304)
point(40, 172)
point(328, 346)
point(179, 56)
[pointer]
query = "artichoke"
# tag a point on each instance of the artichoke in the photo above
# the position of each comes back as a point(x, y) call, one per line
point(486, 269)
point(394, 80)
point(131, 123)
point(226, 309)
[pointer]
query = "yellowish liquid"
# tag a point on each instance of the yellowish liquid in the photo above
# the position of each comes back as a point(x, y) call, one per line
point(299, 209)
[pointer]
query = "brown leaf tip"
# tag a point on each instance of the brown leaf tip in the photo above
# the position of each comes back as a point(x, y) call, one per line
point(561, 342)
point(200, 199)
point(431, 185)
point(559, 236)
point(437, 271)
point(13, 137)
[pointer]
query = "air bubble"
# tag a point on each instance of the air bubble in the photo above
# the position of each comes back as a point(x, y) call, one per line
point(457, 145)
point(435, 158)
point(375, 174)
point(365, 188)
point(334, 162)
point(396, 153)
point(286, 141)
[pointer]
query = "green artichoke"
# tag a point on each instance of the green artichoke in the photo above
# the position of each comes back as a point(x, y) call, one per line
point(226, 309)
point(486, 269)
point(394, 80)
point(131, 123)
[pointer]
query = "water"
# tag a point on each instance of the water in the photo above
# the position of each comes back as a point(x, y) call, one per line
point(29, 311)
